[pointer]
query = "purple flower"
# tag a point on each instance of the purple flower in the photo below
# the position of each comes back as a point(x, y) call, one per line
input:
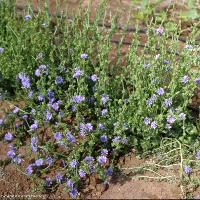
point(197, 80)
point(182, 116)
point(104, 112)
point(34, 126)
point(37, 72)
point(30, 94)
point(17, 160)
point(24, 80)
point(116, 139)
point(34, 141)
point(59, 177)
point(57, 135)
point(84, 55)
point(8, 136)
point(94, 77)
point(168, 126)
point(59, 80)
point(50, 95)
point(73, 163)
point(151, 100)
point(39, 162)
point(27, 17)
point(160, 30)
point(185, 79)
point(104, 138)
point(167, 102)
point(48, 115)
point(48, 182)
point(101, 126)
point(42, 67)
point(153, 125)
point(70, 137)
point(49, 160)
point(78, 72)
point(16, 110)
point(55, 106)
point(73, 193)
point(104, 152)
point(147, 65)
point(188, 46)
point(11, 153)
point(24, 116)
point(102, 159)
point(40, 97)
point(171, 119)
point(70, 183)
point(160, 91)
point(198, 155)
point(1, 121)
point(89, 159)
point(147, 120)
point(81, 173)
point(78, 98)
point(29, 170)
point(109, 171)
point(89, 127)
point(166, 62)
point(157, 56)
point(1, 49)
point(187, 169)
point(104, 98)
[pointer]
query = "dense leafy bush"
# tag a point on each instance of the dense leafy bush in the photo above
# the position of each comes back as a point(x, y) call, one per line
point(80, 109)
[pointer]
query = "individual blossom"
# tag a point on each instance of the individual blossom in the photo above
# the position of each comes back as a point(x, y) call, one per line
point(104, 138)
point(78, 72)
point(25, 80)
point(8, 136)
point(84, 55)
point(27, 17)
point(29, 169)
point(30, 94)
point(104, 112)
point(42, 67)
point(40, 97)
point(55, 106)
point(50, 95)
point(104, 152)
point(147, 65)
point(166, 62)
point(37, 72)
point(168, 126)
point(187, 169)
point(70, 137)
point(151, 100)
point(167, 102)
point(89, 127)
point(11, 153)
point(73, 193)
point(39, 162)
point(109, 171)
point(157, 56)
point(198, 154)
point(49, 160)
point(101, 126)
point(48, 115)
point(160, 91)
point(48, 182)
point(1, 50)
point(147, 120)
point(185, 79)
point(116, 138)
point(94, 77)
point(73, 163)
point(58, 136)
point(1, 121)
point(182, 116)
point(17, 160)
point(70, 183)
point(81, 173)
point(34, 141)
point(59, 80)
point(59, 177)
point(16, 110)
point(78, 98)
point(102, 159)
point(197, 80)
point(24, 116)
point(153, 125)
point(89, 159)
point(188, 46)
point(104, 98)
point(124, 141)
point(160, 30)
point(171, 119)
point(34, 126)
